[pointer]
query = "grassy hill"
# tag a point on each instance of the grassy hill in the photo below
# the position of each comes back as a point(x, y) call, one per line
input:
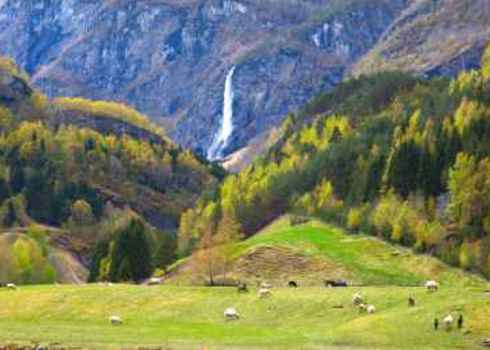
point(177, 317)
point(316, 251)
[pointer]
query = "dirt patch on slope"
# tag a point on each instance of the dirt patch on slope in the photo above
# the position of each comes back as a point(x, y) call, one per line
point(279, 265)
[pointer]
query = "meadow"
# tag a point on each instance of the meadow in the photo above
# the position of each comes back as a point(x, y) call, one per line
point(186, 317)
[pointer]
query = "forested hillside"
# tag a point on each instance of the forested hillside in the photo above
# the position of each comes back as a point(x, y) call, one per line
point(74, 172)
point(399, 157)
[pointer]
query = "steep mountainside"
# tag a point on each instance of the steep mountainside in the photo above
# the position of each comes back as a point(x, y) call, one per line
point(433, 37)
point(170, 58)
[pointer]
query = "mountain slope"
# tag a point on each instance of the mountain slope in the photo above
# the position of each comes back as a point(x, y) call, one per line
point(433, 38)
point(74, 172)
point(170, 59)
point(401, 157)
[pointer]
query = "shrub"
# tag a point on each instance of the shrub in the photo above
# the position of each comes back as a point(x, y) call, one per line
point(485, 63)
point(8, 65)
point(357, 218)
point(131, 257)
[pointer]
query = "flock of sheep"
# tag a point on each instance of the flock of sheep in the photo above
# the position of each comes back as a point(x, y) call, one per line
point(264, 291)
point(231, 314)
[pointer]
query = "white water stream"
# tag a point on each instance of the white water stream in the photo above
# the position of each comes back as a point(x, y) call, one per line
point(222, 137)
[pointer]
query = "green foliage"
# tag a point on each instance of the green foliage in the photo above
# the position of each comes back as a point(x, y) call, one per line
point(131, 257)
point(81, 213)
point(469, 184)
point(25, 261)
point(166, 252)
point(361, 96)
point(6, 119)
point(8, 65)
point(486, 63)
point(107, 109)
point(58, 171)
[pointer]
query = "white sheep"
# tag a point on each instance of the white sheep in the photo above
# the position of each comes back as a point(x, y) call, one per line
point(362, 308)
point(11, 286)
point(264, 293)
point(432, 286)
point(357, 299)
point(115, 320)
point(371, 309)
point(265, 285)
point(448, 321)
point(155, 281)
point(231, 314)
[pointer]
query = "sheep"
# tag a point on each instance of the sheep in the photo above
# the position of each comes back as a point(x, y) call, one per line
point(357, 299)
point(11, 286)
point(371, 309)
point(231, 314)
point(448, 321)
point(362, 308)
point(292, 284)
point(335, 283)
point(411, 301)
point(432, 286)
point(154, 281)
point(115, 320)
point(242, 288)
point(264, 293)
point(265, 285)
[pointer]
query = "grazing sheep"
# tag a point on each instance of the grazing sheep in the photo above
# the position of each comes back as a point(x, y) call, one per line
point(362, 308)
point(115, 320)
point(486, 342)
point(335, 283)
point(292, 284)
point(11, 286)
point(371, 309)
point(265, 285)
point(357, 299)
point(432, 286)
point(264, 293)
point(242, 288)
point(411, 301)
point(436, 324)
point(448, 321)
point(231, 314)
point(155, 281)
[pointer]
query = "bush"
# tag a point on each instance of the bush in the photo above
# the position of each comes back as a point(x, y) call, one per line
point(131, 257)
point(357, 218)
point(468, 255)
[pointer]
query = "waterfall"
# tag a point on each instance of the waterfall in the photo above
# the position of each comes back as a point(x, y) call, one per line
point(222, 137)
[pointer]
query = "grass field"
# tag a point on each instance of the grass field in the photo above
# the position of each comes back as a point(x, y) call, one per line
point(173, 317)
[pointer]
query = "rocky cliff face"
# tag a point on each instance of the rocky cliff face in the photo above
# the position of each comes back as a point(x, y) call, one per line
point(170, 58)
point(433, 37)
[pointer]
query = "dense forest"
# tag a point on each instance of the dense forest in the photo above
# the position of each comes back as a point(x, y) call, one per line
point(401, 157)
point(99, 188)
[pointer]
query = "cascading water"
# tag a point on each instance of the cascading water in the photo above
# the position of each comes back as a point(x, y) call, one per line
point(222, 137)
